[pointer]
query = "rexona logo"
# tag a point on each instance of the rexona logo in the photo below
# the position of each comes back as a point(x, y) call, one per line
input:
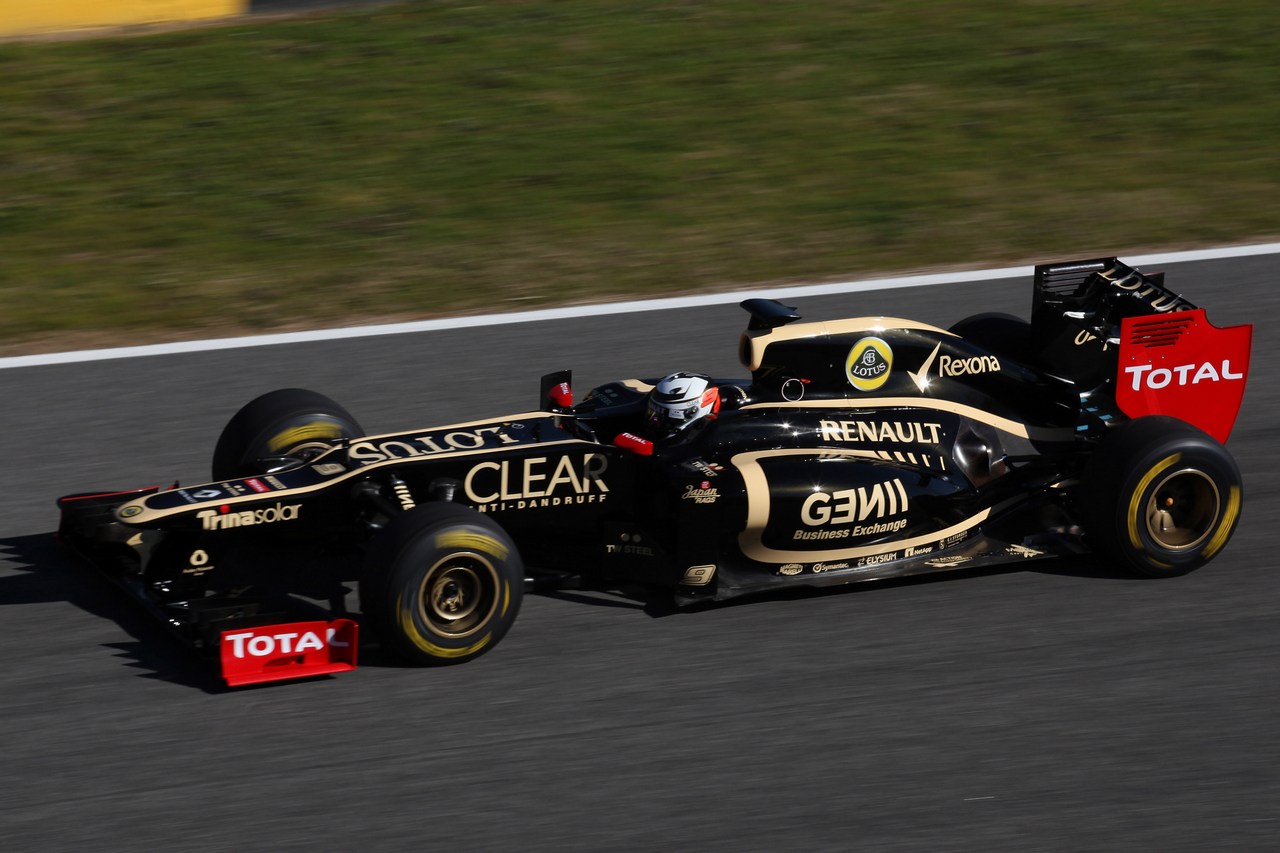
point(973, 366)
point(868, 364)
point(829, 510)
point(951, 367)
point(538, 481)
point(218, 520)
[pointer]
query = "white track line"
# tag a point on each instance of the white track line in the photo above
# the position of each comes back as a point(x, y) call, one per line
point(577, 311)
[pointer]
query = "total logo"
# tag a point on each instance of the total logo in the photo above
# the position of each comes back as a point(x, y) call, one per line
point(950, 367)
point(251, 644)
point(1155, 378)
point(225, 519)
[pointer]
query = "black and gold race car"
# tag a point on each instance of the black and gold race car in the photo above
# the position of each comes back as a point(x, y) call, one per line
point(857, 449)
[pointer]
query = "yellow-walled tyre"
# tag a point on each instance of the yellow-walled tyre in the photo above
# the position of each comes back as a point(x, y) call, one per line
point(1160, 496)
point(279, 430)
point(442, 584)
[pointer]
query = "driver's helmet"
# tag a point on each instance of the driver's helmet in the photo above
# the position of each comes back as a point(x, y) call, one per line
point(677, 401)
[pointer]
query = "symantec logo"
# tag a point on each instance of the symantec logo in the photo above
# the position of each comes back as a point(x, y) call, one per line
point(1181, 365)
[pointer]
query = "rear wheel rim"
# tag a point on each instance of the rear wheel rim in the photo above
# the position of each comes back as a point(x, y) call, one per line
point(458, 595)
point(1183, 509)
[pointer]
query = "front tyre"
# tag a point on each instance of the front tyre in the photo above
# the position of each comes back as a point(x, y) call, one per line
point(280, 430)
point(441, 585)
point(1161, 496)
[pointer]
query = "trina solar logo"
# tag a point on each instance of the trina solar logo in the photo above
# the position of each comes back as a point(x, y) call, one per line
point(868, 364)
point(213, 520)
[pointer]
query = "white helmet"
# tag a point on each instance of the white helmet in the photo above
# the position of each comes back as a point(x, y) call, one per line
point(677, 401)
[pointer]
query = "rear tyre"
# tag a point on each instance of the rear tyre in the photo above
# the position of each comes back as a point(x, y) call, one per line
point(280, 430)
point(1160, 496)
point(441, 585)
point(1002, 334)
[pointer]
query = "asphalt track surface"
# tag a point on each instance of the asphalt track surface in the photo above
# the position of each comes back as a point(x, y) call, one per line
point(1060, 706)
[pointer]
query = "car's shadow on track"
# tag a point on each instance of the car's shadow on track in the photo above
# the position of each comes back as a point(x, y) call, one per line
point(658, 604)
point(51, 573)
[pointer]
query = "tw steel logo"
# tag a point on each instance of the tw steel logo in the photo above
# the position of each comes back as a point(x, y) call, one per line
point(215, 520)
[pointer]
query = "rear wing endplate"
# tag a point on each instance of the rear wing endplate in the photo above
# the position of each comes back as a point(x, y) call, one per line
point(1182, 365)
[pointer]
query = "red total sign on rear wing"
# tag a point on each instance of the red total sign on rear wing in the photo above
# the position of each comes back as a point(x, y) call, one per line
point(1180, 364)
point(287, 651)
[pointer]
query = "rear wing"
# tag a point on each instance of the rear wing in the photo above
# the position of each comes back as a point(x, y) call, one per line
point(1180, 364)
point(1078, 303)
point(1098, 322)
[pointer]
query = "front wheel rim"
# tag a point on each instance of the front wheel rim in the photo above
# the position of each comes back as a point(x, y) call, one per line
point(458, 595)
point(1183, 509)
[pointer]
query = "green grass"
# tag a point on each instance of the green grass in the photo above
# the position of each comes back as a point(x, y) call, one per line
point(427, 158)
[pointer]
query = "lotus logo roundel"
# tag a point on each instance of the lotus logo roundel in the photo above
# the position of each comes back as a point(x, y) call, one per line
point(868, 364)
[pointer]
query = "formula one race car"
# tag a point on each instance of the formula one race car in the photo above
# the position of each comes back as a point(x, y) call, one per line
point(858, 449)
